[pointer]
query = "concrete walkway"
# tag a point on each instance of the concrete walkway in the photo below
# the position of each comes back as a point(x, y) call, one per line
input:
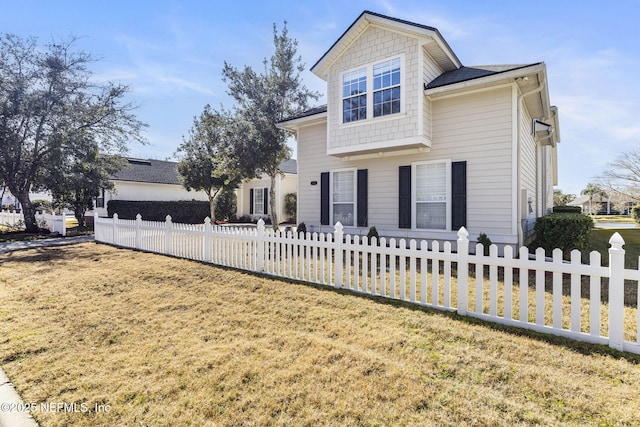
point(55, 241)
point(13, 412)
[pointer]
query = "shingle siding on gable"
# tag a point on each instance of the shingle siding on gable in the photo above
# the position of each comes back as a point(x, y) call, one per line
point(375, 44)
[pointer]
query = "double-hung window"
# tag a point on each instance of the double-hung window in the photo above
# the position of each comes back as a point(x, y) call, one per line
point(372, 91)
point(386, 88)
point(343, 200)
point(258, 201)
point(354, 96)
point(431, 195)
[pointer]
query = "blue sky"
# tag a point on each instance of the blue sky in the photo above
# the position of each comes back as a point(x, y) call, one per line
point(171, 54)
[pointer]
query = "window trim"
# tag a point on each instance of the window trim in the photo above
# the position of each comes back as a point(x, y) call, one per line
point(369, 93)
point(448, 192)
point(354, 173)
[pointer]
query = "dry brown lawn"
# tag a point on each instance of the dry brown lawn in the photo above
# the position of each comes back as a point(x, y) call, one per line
point(169, 342)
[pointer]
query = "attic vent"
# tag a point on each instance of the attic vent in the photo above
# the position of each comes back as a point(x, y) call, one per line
point(139, 162)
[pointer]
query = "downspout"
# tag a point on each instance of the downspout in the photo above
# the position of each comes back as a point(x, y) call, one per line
point(519, 108)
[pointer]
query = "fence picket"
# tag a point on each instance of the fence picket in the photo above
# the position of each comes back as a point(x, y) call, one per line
point(540, 286)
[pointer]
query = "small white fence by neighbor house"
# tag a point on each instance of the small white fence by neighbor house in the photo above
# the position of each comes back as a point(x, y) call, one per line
point(569, 299)
point(54, 223)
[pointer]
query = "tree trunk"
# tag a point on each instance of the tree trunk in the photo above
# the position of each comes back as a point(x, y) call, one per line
point(212, 195)
point(79, 214)
point(28, 212)
point(273, 203)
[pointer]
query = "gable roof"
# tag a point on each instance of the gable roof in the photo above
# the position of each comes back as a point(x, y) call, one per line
point(165, 172)
point(463, 73)
point(435, 44)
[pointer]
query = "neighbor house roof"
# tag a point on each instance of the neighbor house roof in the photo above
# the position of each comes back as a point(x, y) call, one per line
point(165, 172)
point(150, 171)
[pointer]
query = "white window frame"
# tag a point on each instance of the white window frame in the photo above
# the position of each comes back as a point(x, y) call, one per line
point(369, 84)
point(354, 172)
point(414, 187)
point(260, 191)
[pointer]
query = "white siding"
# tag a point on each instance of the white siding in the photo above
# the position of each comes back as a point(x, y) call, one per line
point(286, 184)
point(475, 128)
point(478, 128)
point(528, 153)
point(429, 72)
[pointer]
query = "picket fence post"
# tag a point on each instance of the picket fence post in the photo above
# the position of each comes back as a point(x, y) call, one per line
point(338, 239)
point(206, 240)
point(138, 225)
point(168, 238)
point(260, 242)
point(463, 271)
point(616, 292)
point(114, 222)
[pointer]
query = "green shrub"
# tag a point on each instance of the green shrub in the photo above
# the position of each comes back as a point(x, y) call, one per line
point(183, 211)
point(42, 205)
point(565, 231)
point(226, 206)
point(567, 209)
point(485, 241)
point(302, 228)
point(373, 233)
point(291, 205)
point(635, 213)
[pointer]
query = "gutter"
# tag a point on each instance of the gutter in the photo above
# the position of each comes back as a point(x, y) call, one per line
point(541, 86)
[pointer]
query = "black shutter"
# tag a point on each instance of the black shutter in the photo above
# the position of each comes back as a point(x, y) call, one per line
point(251, 201)
point(404, 197)
point(266, 201)
point(363, 197)
point(324, 198)
point(458, 195)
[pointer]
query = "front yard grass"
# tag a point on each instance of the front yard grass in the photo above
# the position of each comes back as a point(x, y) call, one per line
point(165, 342)
point(599, 241)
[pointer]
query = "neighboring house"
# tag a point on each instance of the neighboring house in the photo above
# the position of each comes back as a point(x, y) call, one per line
point(146, 179)
point(418, 145)
point(253, 196)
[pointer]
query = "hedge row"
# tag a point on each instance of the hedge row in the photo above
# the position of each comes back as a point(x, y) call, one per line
point(183, 211)
point(567, 209)
point(566, 231)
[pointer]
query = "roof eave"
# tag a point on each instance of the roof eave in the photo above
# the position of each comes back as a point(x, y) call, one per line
point(295, 124)
point(366, 18)
point(493, 78)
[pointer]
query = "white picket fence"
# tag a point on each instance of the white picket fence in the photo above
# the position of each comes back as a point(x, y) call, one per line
point(10, 218)
point(492, 287)
point(54, 223)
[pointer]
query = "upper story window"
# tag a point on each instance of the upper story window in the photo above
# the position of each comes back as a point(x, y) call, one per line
point(354, 94)
point(361, 101)
point(386, 88)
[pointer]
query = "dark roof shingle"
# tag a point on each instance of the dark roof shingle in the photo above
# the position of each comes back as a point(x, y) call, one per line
point(165, 172)
point(147, 170)
point(463, 73)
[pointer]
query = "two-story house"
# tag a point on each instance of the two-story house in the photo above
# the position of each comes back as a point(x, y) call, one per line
point(418, 145)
